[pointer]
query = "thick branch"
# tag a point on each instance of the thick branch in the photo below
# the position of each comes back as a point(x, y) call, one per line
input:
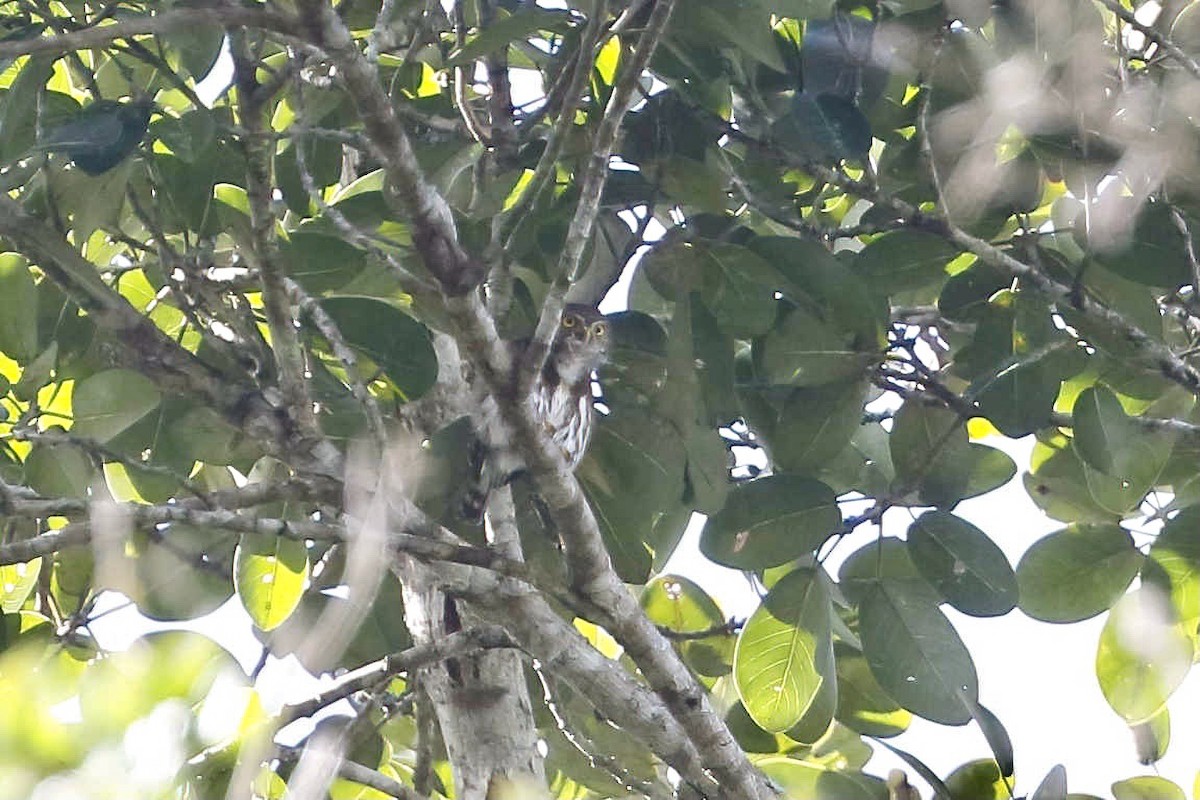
point(434, 234)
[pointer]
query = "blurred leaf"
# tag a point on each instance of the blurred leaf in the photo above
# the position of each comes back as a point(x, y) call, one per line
point(270, 575)
point(1147, 787)
point(1175, 553)
point(799, 779)
point(1077, 572)
point(109, 402)
point(1053, 786)
point(978, 780)
point(17, 582)
point(18, 309)
point(1143, 656)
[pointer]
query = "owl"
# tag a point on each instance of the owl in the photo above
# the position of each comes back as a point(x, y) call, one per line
point(562, 400)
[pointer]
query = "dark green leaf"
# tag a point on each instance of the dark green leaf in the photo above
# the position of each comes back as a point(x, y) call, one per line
point(931, 453)
point(770, 521)
point(903, 261)
point(398, 344)
point(915, 653)
point(109, 402)
point(963, 564)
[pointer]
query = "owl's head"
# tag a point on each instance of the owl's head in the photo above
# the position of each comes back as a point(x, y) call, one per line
point(582, 342)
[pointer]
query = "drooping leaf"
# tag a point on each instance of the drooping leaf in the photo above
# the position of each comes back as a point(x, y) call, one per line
point(997, 738)
point(916, 655)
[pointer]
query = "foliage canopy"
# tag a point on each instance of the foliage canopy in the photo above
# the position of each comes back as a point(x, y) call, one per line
point(263, 262)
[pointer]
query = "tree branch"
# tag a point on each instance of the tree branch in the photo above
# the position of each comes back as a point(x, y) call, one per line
point(591, 189)
point(368, 676)
point(220, 13)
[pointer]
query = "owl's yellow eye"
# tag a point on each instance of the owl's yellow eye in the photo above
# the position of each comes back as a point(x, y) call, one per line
point(568, 322)
point(600, 330)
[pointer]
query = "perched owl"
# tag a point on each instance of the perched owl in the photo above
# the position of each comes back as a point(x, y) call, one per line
point(562, 400)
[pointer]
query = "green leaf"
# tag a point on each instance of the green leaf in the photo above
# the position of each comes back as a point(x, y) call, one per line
point(997, 738)
point(18, 118)
point(321, 263)
point(863, 705)
point(978, 780)
point(59, 470)
point(1156, 253)
point(741, 24)
point(824, 127)
point(770, 521)
point(1058, 484)
point(18, 309)
point(708, 462)
point(885, 559)
point(1147, 787)
point(916, 655)
point(777, 663)
point(803, 780)
point(17, 582)
point(738, 286)
point(963, 564)
point(632, 474)
point(270, 574)
point(682, 606)
point(1108, 440)
point(109, 402)
point(931, 453)
point(1144, 655)
point(397, 343)
point(803, 351)
point(903, 261)
point(988, 469)
point(1175, 556)
point(816, 424)
point(1053, 786)
point(1076, 573)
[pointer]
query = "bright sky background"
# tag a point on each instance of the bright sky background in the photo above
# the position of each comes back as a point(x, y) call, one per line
point(1038, 678)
